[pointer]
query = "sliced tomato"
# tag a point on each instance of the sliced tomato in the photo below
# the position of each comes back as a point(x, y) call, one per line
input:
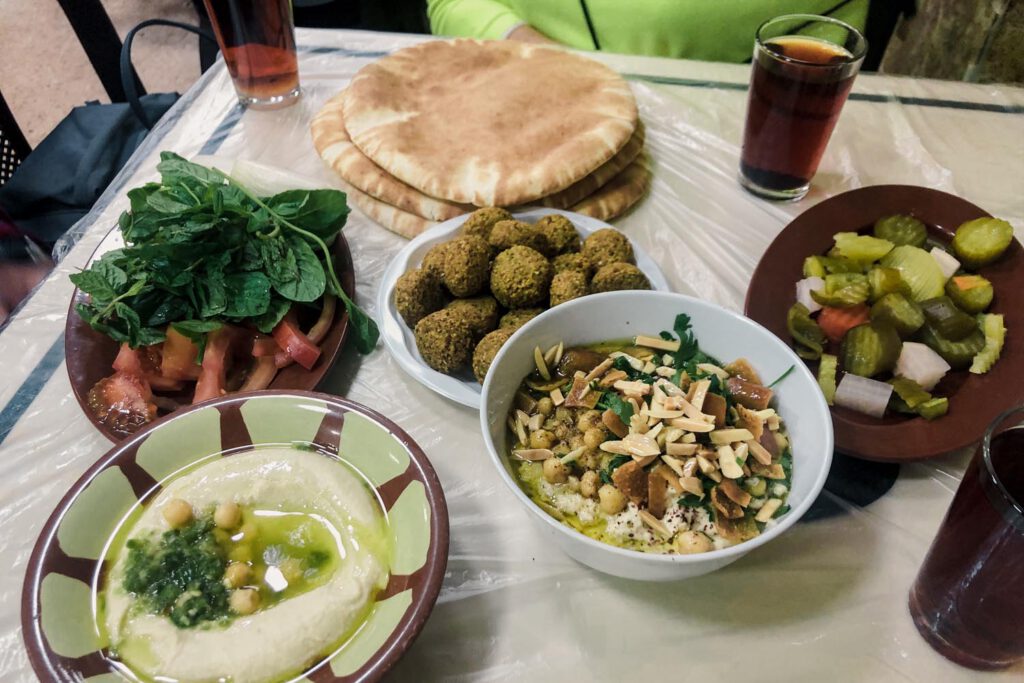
point(211, 378)
point(128, 360)
point(151, 359)
point(264, 346)
point(179, 357)
point(295, 343)
point(122, 401)
point(836, 322)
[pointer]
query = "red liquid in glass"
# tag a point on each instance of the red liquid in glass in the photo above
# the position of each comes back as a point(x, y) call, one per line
point(258, 43)
point(792, 109)
point(968, 600)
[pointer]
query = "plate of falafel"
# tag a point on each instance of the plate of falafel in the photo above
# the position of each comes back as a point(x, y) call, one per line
point(455, 294)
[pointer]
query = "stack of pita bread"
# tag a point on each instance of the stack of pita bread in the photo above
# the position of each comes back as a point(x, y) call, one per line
point(436, 130)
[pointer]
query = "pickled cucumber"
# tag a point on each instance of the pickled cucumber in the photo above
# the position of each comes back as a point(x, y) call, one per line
point(901, 230)
point(933, 408)
point(808, 336)
point(861, 248)
point(981, 241)
point(843, 290)
point(995, 334)
point(918, 269)
point(970, 293)
point(827, 376)
point(886, 281)
point(870, 349)
point(958, 354)
point(901, 313)
point(910, 391)
point(946, 319)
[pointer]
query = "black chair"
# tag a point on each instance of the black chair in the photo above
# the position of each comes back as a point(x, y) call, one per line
point(13, 145)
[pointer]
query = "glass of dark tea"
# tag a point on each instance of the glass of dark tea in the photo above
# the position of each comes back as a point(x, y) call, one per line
point(257, 39)
point(804, 66)
point(968, 599)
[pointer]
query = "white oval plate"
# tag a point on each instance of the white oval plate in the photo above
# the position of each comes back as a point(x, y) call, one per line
point(463, 387)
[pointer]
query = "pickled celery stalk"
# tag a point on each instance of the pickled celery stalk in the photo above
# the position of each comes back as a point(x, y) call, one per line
point(981, 241)
point(843, 290)
point(805, 332)
point(995, 335)
point(933, 408)
point(971, 293)
point(827, 376)
point(870, 349)
point(901, 230)
point(910, 391)
point(904, 315)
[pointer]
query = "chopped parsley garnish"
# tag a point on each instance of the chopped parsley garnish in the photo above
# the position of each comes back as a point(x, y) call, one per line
point(613, 464)
point(618, 405)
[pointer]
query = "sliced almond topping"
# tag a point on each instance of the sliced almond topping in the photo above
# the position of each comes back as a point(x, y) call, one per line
point(533, 454)
point(690, 468)
point(634, 363)
point(641, 445)
point(712, 369)
point(616, 447)
point(663, 414)
point(656, 343)
point(715, 477)
point(673, 434)
point(655, 524)
point(523, 418)
point(749, 419)
point(674, 463)
point(580, 395)
point(556, 397)
point(559, 352)
point(690, 424)
point(649, 368)
point(644, 460)
point(549, 355)
point(689, 437)
point(741, 452)
point(665, 371)
point(601, 368)
point(705, 465)
point(773, 471)
point(665, 473)
point(768, 510)
point(670, 389)
point(520, 431)
point(616, 426)
point(638, 424)
point(727, 461)
point(773, 423)
point(655, 430)
point(735, 493)
point(636, 389)
point(572, 455)
point(727, 436)
point(542, 367)
point(698, 390)
point(759, 452)
point(692, 485)
point(681, 448)
point(535, 422)
point(657, 394)
point(612, 377)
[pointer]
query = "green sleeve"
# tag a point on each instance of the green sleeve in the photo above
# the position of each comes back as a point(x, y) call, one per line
point(471, 18)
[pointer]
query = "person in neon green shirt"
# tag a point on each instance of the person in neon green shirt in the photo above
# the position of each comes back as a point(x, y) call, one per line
point(718, 30)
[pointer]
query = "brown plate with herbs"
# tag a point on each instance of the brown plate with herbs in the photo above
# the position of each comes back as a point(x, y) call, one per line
point(974, 400)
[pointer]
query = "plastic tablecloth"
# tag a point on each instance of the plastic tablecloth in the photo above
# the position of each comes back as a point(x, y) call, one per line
point(827, 600)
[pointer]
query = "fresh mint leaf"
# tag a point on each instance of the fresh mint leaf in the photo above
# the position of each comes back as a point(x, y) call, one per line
point(276, 311)
point(248, 294)
point(321, 212)
point(95, 285)
point(308, 280)
point(175, 170)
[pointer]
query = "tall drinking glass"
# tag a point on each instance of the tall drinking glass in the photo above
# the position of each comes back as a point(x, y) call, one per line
point(968, 600)
point(804, 66)
point(257, 39)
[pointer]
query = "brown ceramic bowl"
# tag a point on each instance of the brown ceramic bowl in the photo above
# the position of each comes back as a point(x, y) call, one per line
point(974, 400)
point(70, 558)
point(89, 354)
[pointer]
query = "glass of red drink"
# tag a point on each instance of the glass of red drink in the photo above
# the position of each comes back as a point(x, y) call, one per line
point(257, 39)
point(968, 599)
point(804, 66)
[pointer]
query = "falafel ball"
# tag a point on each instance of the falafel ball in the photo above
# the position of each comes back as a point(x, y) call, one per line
point(560, 233)
point(567, 285)
point(520, 278)
point(481, 313)
point(571, 261)
point(510, 233)
point(467, 264)
point(418, 293)
point(513, 320)
point(434, 259)
point(481, 221)
point(487, 349)
point(445, 341)
point(616, 276)
point(607, 246)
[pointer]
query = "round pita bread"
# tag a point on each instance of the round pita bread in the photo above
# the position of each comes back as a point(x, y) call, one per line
point(336, 149)
point(604, 173)
point(396, 220)
point(488, 123)
point(619, 194)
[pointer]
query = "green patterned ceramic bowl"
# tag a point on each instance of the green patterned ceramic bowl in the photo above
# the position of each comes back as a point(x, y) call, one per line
point(58, 606)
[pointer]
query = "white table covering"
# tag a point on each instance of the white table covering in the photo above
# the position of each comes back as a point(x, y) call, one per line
point(827, 601)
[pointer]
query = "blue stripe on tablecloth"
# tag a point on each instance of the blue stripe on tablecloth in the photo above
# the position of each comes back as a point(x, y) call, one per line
point(223, 129)
point(31, 387)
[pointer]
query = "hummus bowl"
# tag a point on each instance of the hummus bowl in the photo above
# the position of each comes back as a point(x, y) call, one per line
point(722, 334)
point(265, 537)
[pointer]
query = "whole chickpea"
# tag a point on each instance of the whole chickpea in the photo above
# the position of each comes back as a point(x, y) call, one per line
point(545, 407)
point(690, 542)
point(237, 574)
point(611, 499)
point(177, 513)
point(589, 483)
point(593, 437)
point(244, 600)
point(589, 419)
point(227, 515)
point(542, 438)
point(555, 471)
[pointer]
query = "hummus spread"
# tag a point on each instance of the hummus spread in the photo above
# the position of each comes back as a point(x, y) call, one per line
point(284, 636)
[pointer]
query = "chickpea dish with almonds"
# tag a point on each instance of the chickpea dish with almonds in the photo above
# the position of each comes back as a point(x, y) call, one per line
point(650, 444)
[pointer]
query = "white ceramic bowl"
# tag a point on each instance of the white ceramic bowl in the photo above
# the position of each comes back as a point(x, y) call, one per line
point(399, 338)
point(720, 333)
